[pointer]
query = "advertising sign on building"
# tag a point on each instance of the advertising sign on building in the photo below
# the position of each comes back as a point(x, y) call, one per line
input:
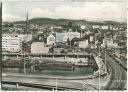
point(11, 43)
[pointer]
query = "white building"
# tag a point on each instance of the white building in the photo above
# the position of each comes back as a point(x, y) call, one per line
point(109, 43)
point(76, 35)
point(59, 37)
point(83, 44)
point(104, 27)
point(83, 27)
point(39, 48)
point(65, 36)
point(70, 35)
point(95, 26)
point(11, 43)
point(57, 27)
point(50, 40)
point(91, 38)
point(25, 37)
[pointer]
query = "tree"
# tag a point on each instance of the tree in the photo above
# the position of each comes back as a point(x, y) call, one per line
point(70, 24)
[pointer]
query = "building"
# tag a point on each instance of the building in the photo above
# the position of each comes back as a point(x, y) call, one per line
point(39, 48)
point(11, 43)
point(72, 35)
point(83, 44)
point(91, 38)
point(25, 37)
point(105, 27)
point(63, 37)
point(82, 27)
point(109, 42)
point(57, 27)
point(87, 32)
point(95, 26)
point(51, 40)
point(59, 37)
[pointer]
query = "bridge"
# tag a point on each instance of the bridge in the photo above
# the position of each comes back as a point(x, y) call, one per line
point(118, 78)
point(40, 86)
point(46, 55)
point(48, 83)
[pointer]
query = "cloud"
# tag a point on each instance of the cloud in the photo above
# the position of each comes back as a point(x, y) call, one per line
point(12, 17)
point(91, 11)
point(38, 12)
point(97, 11)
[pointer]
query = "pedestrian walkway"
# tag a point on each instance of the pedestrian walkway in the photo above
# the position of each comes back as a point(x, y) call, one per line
point(43, 76)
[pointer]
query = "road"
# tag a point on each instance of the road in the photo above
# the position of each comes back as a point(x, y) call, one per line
point(66, 83)
point(118, 78)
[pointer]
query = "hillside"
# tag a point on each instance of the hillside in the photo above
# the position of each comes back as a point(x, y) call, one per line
point(49, 21)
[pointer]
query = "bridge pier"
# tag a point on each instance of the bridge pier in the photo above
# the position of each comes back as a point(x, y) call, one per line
point(56, 84)
point(53, 89)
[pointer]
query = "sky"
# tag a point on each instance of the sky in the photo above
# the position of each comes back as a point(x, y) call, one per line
point(92, 11)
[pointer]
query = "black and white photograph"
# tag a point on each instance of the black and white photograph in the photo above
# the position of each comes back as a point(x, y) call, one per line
point(64, 46)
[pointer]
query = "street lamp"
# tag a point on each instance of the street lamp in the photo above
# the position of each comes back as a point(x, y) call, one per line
point(24, 64)
point(23, 58)
point(105, 53)
point(56, 84)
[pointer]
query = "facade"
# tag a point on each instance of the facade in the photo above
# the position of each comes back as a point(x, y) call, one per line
point(105, 27)
point(63, 37)
point(83, 44)
point(91, 38)
point(50, 40)
point(25, 37)
point(83, 27)
point(95, 26)
point(11, 43)
point(72, 35)
point(109, 43)
point(39, 48)
point(59, 37)
point(87, 32)
point(57, 27)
